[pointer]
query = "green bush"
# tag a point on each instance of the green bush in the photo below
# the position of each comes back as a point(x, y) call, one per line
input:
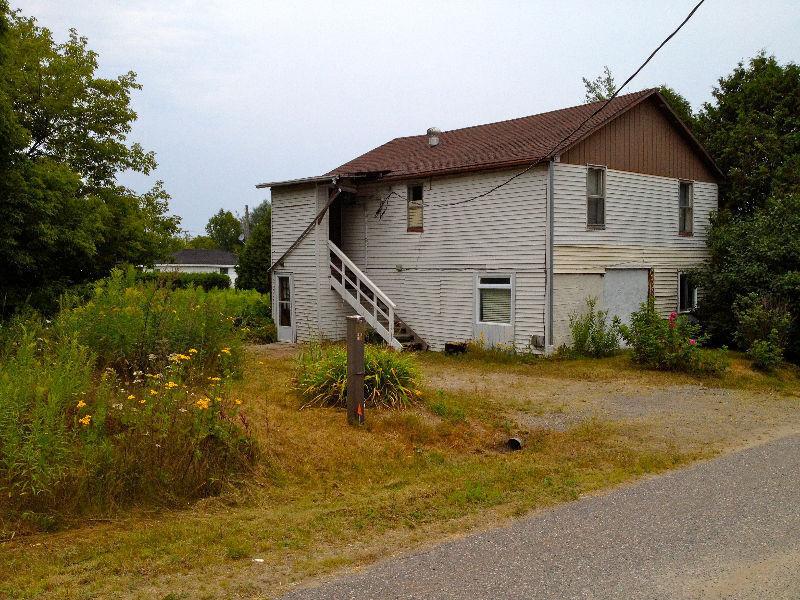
point(252, 314)
point(137, 327)
point(592, 335)
point(763, 328)
point(767, 355)
point(177, 280)
point(391, 379)
point(670, 344)
point(77, 440)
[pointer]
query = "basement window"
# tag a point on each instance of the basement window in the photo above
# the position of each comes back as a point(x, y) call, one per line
point(686, 208)
point(687, 293)
point(494, 299)
point(414, 208)
point(596, 198)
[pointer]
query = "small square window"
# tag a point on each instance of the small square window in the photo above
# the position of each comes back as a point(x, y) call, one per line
point(414, 208)
point(687, 293)
point(596, 198)
point(686, 208)
point(223, 270)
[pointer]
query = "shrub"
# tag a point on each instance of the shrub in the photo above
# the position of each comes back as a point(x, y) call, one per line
point(176, 280)
point(592, 335)
point(763, 327)
point(391, 379)
point(670, 344)
point(137, 327)
point(759, 318)
point(252, 314)
point(76, 440)
point(767, 355)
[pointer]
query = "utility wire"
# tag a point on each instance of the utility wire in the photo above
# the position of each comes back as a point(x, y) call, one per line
point(557, 147)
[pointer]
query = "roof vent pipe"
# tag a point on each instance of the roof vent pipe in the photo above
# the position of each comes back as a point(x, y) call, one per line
point(433, 136)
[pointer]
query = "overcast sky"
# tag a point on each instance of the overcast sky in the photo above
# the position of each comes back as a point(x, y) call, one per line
point(237, 92)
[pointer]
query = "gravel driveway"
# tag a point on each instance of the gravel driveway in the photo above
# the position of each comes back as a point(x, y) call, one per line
point(724, 528)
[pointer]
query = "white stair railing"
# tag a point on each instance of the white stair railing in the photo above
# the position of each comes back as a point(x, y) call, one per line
point(363, 295)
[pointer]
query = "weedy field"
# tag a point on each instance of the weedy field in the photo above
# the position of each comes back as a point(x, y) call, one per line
point(324, 496)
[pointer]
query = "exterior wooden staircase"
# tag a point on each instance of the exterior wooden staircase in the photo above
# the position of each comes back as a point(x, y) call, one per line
point(370, 302)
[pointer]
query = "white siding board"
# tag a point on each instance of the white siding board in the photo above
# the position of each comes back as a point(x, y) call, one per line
point(641, 227)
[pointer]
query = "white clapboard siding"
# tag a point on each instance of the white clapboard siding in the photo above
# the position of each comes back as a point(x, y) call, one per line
point(431, 275)
point(318, 311)
point(641, 227)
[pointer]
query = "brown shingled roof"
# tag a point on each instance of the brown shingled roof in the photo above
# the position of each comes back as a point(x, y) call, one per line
point(506, 143)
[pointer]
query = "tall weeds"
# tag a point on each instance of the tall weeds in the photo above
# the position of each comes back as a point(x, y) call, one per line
point(122, 400)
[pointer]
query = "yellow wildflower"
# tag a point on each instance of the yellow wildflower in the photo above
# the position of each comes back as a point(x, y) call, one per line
point(218, 399)
point(131, 397)
point(171, 384)
point(202, 403)
point(215, 379)
point(85, 420)
point(154, 392)
point(192, 351)
point(142, 401)
point(237, 401)
point(226, 350)
point(81, 404)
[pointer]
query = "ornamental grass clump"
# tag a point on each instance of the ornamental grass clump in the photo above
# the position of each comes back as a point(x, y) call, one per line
point(391, 379)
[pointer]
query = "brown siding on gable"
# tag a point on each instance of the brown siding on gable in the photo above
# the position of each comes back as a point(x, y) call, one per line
point(642, 140)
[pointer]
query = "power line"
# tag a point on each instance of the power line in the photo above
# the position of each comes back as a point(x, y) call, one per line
point(557, 147)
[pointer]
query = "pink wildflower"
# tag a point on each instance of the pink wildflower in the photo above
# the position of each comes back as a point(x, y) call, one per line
point(692, 342)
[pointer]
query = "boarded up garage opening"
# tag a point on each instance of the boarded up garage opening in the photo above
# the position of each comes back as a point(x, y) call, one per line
point(624, 290)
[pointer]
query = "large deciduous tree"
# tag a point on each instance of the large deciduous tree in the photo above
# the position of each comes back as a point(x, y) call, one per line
point(63, 141)
point(226, 230)
point(752, 130)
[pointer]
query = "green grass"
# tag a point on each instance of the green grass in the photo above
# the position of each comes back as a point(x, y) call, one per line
point(326, 495)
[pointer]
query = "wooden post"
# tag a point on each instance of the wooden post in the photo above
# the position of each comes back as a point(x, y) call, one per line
point(355, 370)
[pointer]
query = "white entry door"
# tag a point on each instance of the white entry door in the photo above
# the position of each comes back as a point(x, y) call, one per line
point(284, 319)
point(624, 290)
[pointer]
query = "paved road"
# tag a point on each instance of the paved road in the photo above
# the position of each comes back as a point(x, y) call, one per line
point(726, 528)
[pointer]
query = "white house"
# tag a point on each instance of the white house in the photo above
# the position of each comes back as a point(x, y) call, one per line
point(451, 236)
point(201, 261)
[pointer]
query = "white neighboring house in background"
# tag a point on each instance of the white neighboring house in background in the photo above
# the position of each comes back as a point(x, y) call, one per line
point(201, 261)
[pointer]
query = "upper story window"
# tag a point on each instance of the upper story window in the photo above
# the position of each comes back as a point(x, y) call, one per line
point(223, 270)
point(414, 208)
point(596, 198)
point(686, 208)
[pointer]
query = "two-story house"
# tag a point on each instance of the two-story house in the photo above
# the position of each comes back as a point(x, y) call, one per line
point(452, 236)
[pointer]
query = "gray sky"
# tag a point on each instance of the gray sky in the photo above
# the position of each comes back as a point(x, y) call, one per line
point(237, 92)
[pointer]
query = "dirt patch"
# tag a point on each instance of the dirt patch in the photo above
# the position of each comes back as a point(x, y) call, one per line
point(693, 415)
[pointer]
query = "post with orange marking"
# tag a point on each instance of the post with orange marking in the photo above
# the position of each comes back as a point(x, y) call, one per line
point(355, 370)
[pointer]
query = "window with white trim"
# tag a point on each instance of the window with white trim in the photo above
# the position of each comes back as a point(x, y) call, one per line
point(495, 299)
point(596, 198)
point(414, 208)
point(687, 293)
point(686, 208)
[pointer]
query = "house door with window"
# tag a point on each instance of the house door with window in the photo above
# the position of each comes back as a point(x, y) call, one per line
point(284, 308)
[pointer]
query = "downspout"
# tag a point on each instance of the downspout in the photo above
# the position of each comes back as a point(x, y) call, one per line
point(549, 257)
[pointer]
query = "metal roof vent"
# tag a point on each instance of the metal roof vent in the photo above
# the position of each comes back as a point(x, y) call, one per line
point(433, 136)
